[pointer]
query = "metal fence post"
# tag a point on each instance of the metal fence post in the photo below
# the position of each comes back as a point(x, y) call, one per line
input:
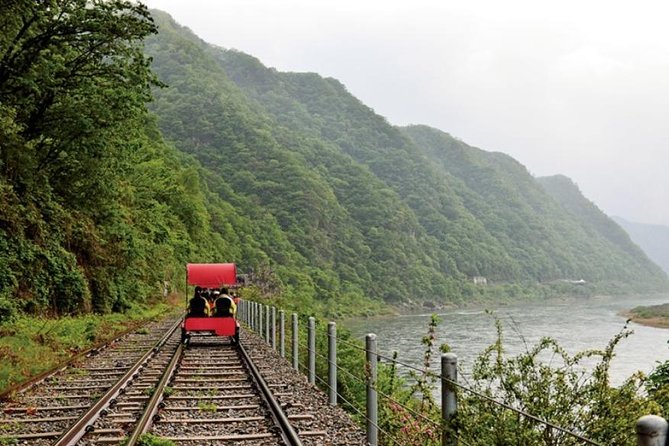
point(311, 337)
point(372, 402)
point(268, 313)
point(255, 317)
point(296, 351)
point(282, 333)
point(260, 317)
point(274, 328)
point(332, 362)
point(651, 430)
point(449, 403)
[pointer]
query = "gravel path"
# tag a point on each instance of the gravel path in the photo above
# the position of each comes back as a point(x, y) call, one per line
point(300, 399)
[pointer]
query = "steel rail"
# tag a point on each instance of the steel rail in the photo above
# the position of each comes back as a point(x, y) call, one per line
point(280, 419)
point(151, 409)
point(72, 435)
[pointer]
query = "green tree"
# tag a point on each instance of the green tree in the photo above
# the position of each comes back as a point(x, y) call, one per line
point(72, 75)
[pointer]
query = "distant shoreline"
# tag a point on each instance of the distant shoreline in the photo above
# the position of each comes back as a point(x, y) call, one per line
point(658, 322)
point(652, 316)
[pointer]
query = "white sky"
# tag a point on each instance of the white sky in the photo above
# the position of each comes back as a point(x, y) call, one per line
point(579, 88)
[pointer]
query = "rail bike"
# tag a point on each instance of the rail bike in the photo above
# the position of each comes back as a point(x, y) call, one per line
point(209, 276)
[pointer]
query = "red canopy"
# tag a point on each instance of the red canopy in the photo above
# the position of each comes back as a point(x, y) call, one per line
point(212, 275)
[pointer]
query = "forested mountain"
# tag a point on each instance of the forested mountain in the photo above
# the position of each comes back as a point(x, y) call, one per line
point(545, 222)
point(102, 201)
point(84, 223)
point(394, 213)
point(653, 239)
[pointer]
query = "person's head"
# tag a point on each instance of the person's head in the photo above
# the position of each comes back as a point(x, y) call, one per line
point(224, 290)
point(198, 290)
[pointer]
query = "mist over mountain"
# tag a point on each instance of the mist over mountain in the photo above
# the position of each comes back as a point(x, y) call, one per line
point(366, 207)
point(653, 239)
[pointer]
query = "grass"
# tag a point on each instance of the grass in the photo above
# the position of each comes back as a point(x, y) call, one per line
point(154, 440)
point(8, 440)
point(151, 440)
point(207, 407)
point(32, 345)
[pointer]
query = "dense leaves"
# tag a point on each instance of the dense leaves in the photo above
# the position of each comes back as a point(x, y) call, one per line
point(96, 212)
point(399, 215)
point(546, 225)
point(317, 197)
point(543, 396)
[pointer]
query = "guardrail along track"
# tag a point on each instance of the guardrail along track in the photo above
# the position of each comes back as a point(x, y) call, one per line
point(42, 413)
point(305, 406)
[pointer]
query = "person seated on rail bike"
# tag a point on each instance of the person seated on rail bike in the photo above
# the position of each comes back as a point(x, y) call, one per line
point(224, 306)
point(211, 298)
point(235, 298)
point(226, 292)
point(206, 293)
point(197, 306)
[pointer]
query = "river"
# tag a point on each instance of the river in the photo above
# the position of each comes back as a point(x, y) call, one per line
point(577, 324)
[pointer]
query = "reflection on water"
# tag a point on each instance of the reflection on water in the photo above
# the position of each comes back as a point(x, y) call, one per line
point(577, 325)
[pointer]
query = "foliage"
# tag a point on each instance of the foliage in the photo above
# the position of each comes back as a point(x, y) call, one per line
point(31, 345)
point(97, 213)
point(206, 406)
point(366, 210)
point(554, 386)
point(73, 83)
point(651, 311)
point(657, 385)
point(288, 175)
point(329, 208)
point(409, 411)
point(544, 381)
point(153, 440)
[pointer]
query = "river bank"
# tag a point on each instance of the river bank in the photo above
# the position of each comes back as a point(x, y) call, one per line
point(651, 316)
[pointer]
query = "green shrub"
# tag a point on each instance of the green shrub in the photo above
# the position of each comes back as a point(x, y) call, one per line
point(153, 440)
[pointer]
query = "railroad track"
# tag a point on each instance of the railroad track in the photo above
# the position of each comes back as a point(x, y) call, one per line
point(75, 394)
point(213, 393)
point(210, 392)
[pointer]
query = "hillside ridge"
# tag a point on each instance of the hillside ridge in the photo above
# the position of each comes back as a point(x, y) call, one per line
point(450, 212)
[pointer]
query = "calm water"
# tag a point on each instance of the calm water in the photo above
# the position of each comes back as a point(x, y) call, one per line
point(577, 325)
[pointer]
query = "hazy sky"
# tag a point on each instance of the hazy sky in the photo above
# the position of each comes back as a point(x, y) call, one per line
point(573, 87)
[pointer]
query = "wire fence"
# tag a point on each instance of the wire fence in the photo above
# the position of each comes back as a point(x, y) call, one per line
point(429, 423)
point(429, 373)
